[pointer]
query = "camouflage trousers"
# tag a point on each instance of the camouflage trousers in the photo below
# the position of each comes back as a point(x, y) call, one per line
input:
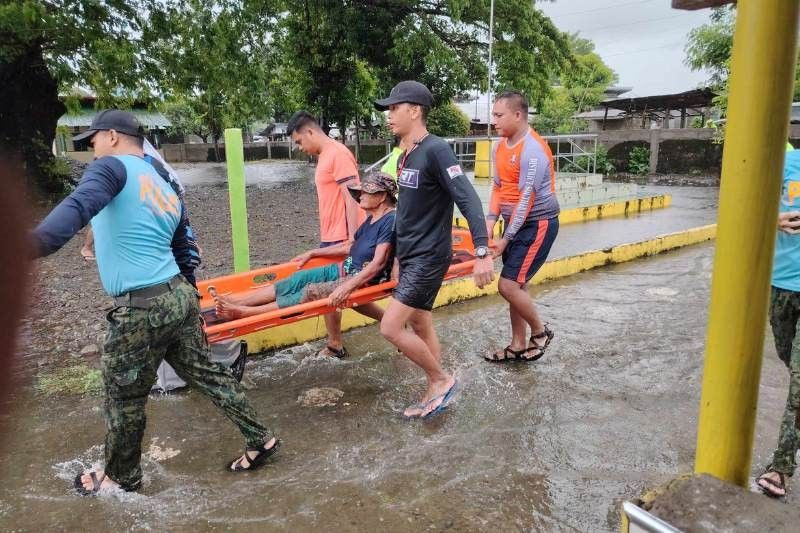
point(784, 313)
point(136, 342)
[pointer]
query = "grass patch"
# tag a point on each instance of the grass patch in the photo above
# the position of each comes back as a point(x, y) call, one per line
point(78, 379)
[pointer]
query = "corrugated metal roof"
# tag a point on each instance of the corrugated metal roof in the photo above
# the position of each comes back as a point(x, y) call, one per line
point(148, 119)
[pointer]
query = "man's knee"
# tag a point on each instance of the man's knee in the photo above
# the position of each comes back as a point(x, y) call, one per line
point(507, 288)
point(391, 329)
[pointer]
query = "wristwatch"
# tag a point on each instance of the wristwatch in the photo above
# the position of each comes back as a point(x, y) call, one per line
point(481, 252)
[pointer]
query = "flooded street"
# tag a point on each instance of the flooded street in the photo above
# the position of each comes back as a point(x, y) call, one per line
point(555, 445)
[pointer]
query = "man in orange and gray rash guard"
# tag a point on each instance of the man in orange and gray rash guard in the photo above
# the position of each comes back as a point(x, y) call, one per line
point(523, 193)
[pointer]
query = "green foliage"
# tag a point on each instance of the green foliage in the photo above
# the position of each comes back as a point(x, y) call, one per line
point(214, 61)
point(448, 121)
point(709, 48)
point(333, 53)
point(78, 379)
point(582, 85)
point(639, 160)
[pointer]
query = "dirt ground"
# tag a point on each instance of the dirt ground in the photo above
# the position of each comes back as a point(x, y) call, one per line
point(68, 305)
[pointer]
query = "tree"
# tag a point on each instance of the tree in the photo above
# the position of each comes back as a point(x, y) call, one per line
point(52, 45)
point(709, 48)
point(448, 120)
point(215, 59)
point(441, 43)
point(580, 87)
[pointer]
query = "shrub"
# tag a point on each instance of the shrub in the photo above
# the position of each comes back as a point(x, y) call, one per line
point(639, 160)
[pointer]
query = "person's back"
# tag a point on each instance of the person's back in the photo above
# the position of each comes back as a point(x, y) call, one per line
point(134, 231)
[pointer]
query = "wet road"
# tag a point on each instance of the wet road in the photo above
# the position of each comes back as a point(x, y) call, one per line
point(552, 446)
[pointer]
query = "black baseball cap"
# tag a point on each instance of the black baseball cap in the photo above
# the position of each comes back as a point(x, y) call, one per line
point(112, 119)
point(411, 92)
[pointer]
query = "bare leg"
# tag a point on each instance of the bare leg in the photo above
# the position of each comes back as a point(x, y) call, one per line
point(333, 324)
point(521, 304)
point(263, 295)
point(414, 346)
point(228, 311)
point(370, 310)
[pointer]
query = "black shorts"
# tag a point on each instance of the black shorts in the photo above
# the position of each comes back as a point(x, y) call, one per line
point(420, 281)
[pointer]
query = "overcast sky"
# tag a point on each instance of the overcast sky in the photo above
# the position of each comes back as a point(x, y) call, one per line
point(642, 40)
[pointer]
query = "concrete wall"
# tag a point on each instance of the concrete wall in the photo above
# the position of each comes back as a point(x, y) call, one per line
point(672, 151)
point(369, 152)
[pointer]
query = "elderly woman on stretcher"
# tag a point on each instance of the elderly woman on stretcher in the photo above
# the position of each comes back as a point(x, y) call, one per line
point(369, 261)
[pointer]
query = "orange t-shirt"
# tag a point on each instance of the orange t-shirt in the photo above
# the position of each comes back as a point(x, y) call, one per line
point(336, 166)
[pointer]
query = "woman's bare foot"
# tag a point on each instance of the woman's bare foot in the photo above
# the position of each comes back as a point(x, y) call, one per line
point(227, 310)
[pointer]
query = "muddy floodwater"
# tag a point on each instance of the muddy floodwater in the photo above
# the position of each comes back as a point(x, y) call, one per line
point(551, 446)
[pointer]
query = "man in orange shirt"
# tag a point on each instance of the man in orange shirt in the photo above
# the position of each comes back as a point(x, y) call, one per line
point(339, 214)
point(523, 193)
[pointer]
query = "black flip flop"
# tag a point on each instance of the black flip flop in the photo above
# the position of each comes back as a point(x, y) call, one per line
point(256, 462)
point(96, 484)
point(508, 355)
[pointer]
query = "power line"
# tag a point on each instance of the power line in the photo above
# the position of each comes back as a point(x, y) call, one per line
point(638, 22)
point(572, 13)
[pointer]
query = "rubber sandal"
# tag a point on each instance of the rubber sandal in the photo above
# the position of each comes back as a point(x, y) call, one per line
point(772, 484)
point(256, 462)
point(96, 484)
point(447, 397)
point(337, 353)
point(538, 351)
point(508, 355)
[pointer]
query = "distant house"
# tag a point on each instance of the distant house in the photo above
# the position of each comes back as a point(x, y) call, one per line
point(647, 112)
point(275, 131)
point(154, 123)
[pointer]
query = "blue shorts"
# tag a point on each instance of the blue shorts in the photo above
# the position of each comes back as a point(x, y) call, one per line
point(289, 291)
point(525, 255)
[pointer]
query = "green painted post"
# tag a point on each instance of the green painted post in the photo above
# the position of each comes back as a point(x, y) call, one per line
point(234, 156)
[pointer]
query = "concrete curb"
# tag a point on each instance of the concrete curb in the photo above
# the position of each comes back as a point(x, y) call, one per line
point(464, 289)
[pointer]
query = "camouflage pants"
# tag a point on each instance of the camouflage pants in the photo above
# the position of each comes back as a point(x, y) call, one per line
point(136, 342)
point(784, 313)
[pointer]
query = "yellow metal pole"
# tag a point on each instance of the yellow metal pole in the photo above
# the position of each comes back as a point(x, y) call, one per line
point(762, 74)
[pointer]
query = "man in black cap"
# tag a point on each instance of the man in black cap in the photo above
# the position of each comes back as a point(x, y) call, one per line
point(430, 181)
point(136, 216)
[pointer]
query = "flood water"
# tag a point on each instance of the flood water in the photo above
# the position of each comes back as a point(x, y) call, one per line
point(551, 446)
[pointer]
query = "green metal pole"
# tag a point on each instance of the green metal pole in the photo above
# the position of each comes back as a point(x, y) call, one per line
point(234, 156)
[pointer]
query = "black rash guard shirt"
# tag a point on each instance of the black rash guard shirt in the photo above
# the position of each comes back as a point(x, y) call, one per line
point(430, 180)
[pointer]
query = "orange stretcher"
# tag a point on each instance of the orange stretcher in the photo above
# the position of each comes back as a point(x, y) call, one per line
point(461, 265)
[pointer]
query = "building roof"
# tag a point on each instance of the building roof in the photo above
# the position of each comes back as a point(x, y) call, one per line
point(599, 114)
point(697, 98)
point(148, 119)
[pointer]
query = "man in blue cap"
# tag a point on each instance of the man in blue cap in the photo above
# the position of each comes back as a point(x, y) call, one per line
point(136, 216)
